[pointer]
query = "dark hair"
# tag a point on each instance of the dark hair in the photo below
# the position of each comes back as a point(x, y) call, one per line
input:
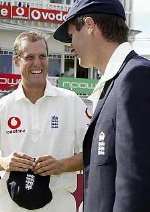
point(112, 27)
point(31, 36)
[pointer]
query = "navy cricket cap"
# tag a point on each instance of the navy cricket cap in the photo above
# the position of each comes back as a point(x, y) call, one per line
point(29, 190)
point(82, 7)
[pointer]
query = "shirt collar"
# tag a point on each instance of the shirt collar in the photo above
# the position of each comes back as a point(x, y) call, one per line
point(50, 90)
point(112, 68)
point(19, 93)
point(116, 60)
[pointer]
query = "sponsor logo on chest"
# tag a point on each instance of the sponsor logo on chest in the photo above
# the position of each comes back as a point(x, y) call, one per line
point(14, 124)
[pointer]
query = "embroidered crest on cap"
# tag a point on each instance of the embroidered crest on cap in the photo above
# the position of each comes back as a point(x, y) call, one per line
point(29, 183)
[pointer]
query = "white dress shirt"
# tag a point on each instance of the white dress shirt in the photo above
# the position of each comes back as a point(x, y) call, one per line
point(111, 70)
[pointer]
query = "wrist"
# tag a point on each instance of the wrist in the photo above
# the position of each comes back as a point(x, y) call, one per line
point(63, 164)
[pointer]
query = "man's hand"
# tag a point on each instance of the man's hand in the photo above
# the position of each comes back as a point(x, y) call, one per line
point(17, 162)
point(47, 165)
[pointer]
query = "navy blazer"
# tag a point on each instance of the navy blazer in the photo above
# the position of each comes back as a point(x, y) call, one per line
point(116, 148)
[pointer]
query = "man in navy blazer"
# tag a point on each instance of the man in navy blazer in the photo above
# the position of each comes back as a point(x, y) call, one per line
point(116, 150)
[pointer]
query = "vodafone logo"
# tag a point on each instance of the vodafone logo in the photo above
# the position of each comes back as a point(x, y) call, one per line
point(14, 122)
point(45, 15)
point(20, 11)
point(35, 14)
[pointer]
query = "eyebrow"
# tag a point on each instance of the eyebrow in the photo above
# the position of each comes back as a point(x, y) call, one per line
point(32, 54)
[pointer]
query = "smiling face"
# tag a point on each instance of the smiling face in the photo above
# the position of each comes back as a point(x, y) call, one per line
point(33, 63)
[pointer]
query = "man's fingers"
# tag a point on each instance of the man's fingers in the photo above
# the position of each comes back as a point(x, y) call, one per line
point(18, 169)
point(22, 161)
point(22, 165)
point(17, 162)
point(23, 155)
point(16, 166)
point(45, 168)
point(45, 163)
point(50, 172)
point(43, 158)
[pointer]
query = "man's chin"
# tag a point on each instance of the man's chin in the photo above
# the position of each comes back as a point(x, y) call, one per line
point(38, 82)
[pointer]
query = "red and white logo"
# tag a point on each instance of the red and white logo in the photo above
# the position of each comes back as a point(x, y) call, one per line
point(54, 16)
point(20, 12)
point(5, 11)
point(14, 122)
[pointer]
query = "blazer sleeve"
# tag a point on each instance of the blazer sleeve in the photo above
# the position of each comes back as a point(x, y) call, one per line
point(133, 142)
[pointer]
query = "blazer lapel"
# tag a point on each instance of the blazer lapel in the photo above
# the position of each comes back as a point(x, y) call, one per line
point(102, 99)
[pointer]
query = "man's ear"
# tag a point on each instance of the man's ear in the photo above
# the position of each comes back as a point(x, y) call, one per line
point(89, 22)
point(16, 60)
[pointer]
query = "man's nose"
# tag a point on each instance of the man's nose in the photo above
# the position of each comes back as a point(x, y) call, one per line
point(37, 60)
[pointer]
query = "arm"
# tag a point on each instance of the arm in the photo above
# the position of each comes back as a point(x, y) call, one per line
point(74, 163)
point(48, 165)
point(133, 143)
